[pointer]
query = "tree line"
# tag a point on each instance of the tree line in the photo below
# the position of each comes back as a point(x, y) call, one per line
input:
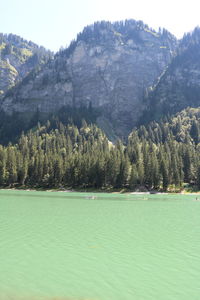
point(158, 156)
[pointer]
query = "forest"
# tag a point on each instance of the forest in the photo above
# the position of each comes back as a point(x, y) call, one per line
point(159, 156)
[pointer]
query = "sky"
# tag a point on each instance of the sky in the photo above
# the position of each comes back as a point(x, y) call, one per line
point(54, 23)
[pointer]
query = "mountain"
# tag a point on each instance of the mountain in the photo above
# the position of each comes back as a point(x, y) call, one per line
point(17, 58)
point(179, 86)
point(121, 76)
point(109, 67)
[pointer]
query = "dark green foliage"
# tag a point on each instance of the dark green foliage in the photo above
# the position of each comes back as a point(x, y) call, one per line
point(122, 30)
point(195, 131)
point(167, 153)
point(164, 174)
point(198, 177)
point(159, 156)
point(11, 126)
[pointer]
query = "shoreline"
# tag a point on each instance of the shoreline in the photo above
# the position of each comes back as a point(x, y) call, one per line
point(183, 192)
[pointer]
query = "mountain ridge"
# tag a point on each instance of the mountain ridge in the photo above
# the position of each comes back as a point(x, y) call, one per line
point(110, 66)
point(179, 85)
point(128, 73)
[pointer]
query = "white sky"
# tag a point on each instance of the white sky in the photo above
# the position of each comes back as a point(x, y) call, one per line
point(54, 23)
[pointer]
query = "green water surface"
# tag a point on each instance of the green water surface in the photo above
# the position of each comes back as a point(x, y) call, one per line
point(99, 246)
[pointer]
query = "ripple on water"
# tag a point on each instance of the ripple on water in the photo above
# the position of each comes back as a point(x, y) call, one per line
point(109, 248)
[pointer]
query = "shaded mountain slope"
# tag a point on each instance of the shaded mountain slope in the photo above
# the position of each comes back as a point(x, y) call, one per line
point(179, 87)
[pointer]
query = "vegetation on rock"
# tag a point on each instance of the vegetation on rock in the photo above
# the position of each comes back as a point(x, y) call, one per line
point(17, 58)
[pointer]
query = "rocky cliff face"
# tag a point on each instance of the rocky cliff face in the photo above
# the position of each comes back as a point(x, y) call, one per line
point(179, 86)
point(110, 66)
point(17, 58)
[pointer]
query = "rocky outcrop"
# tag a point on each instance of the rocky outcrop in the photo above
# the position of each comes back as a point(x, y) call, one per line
point(17, 58)
point(110, 66)
point(179, 86)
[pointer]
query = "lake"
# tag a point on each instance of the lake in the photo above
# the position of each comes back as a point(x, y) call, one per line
point(57, 245)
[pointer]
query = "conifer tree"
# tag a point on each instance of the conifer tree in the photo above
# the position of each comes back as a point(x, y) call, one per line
point(198, 177)
point(164, 174)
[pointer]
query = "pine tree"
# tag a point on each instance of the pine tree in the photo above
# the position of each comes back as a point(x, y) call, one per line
point(11, 165)
point(198, 177)
point(133, 180)
point(187, 165)
point(195, 131)
point(164, 174)
point(2, 166)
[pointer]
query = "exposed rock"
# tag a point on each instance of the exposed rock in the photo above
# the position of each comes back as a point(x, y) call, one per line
point(179, 85)
point(110, 66)
point(17, 58)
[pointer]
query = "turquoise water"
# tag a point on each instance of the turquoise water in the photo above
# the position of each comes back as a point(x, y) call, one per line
point(99, 246)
